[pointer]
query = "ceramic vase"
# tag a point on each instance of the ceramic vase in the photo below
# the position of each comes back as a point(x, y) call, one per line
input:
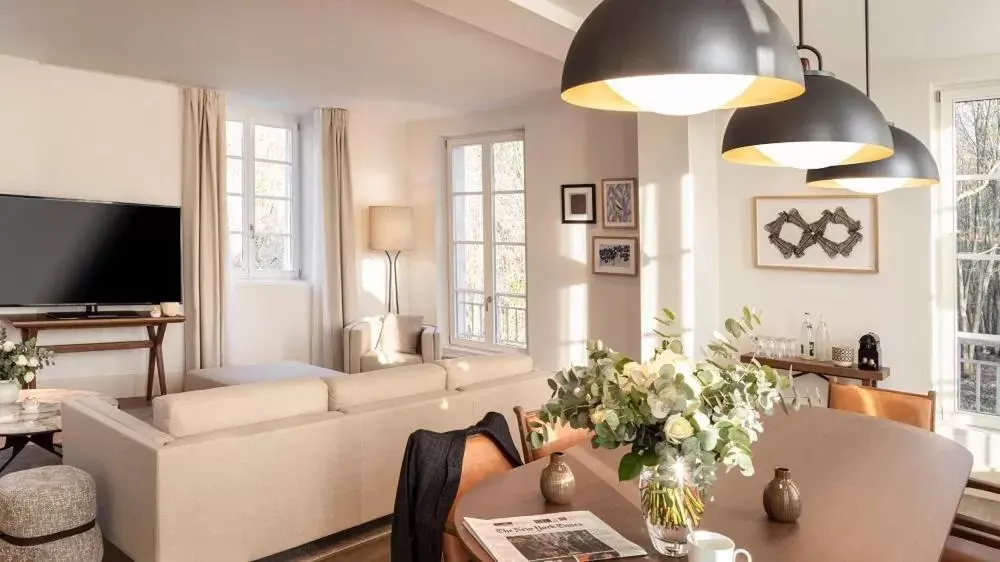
point(10, 391)
point(671, 506)
point(558, 483)
point(782, 500)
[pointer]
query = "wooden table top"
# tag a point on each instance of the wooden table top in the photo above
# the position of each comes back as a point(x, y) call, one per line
point(826, 368)
point(41, 321)
point(872, 490)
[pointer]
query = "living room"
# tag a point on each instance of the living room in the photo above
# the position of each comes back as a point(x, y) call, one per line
point(399, 181)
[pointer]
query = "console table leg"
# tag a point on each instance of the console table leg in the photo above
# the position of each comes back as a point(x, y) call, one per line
point(161, 330)
point(151, 369)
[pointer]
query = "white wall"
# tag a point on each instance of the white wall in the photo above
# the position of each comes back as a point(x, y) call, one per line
point(563, 145)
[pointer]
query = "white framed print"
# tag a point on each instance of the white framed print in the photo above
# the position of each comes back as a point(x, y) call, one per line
point(836, 233)
point(615, 256)
point(619, 203)
point(578, 204)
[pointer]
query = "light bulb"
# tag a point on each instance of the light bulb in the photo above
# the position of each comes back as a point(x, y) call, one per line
point(870, 186)
point(681, 94)
point(810, 155)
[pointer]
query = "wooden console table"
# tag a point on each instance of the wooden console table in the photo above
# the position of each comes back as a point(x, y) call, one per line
point(156, 328)
point(823, 369)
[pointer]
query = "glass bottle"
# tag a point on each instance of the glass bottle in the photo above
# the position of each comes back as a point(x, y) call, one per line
point(807, 342)
point(823, 351)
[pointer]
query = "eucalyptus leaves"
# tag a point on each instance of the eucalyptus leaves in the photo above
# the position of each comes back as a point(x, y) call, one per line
point(671, 410)
point(21, 361)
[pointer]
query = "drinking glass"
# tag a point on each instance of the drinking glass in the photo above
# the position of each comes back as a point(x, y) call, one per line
point(791, 348)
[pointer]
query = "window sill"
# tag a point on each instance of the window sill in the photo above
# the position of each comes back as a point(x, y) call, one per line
point(266, 281)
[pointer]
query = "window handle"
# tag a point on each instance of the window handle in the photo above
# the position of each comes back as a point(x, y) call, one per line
point(489, 301)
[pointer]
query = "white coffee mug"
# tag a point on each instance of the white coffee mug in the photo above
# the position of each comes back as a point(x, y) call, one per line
point(170, 309)
point(706, 546)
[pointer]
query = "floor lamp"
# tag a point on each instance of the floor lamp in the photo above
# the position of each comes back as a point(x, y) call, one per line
point(390, 229)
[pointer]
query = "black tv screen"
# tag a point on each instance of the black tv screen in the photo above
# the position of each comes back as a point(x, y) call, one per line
point(59, 252)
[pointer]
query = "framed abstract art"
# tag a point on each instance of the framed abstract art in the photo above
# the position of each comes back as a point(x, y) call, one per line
point(578, 204)
point(835, 233)
point(615, 256)
point(619, 203)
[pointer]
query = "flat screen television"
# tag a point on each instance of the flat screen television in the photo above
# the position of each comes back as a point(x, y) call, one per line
point(66, 252)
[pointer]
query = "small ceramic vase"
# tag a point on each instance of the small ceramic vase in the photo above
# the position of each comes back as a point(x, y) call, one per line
point(843, 356)
point(558, 483)
point(170, 309)
point(30, 404)
point(10, 391)
point(782, 500)
point(155, 311)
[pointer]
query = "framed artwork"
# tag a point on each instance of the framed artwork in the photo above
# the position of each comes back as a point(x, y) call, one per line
point(615, 256)
point(578, 204)
point(619, 203)
point(837, 233)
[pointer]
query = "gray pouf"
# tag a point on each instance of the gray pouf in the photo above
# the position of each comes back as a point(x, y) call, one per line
point(42, 506)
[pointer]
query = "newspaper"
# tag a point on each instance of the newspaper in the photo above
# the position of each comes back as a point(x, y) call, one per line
point(555, 537)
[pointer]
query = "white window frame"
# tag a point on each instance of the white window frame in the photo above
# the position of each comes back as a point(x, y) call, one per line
point(268, 119)
point(947, 256)
point(489, 258)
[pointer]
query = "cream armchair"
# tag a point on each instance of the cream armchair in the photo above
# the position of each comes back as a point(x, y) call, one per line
point(389, 341)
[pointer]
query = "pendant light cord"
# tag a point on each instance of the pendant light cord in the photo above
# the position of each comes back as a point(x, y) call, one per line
point(802, 41)
point(868, 51)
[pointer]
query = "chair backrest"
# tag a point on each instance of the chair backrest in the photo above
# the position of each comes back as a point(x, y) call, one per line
point(917, 410)
point(561, 437)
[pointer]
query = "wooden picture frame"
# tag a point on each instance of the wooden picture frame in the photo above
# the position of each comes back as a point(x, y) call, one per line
point(578, 203)
point(848, 242)
point(620, 203)
point(616, 264)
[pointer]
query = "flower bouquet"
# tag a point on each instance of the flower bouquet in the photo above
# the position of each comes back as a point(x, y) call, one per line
point(21, 361)
point(680, 418)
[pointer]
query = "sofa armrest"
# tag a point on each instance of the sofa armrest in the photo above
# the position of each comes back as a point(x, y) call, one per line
point(121, 453)
point(430, 343)
point(357, 342)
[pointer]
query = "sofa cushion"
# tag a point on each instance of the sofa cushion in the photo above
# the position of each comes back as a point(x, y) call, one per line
point(193, 413)
point(465, 371)
point(365, 388)
point(401, 333)
point(378, 360)
point(441, 397)
point(201, 379)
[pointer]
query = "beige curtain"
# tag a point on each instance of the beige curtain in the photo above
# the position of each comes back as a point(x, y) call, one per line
point(203, 211)
point(333, 272)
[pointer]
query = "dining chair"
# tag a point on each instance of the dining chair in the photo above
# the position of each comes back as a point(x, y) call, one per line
point(973, 539)
point(481, 460)
point(917, 410)
point(561, 437)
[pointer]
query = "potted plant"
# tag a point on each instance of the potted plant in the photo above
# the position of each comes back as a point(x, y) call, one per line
point(19, 364)
point(680, 417)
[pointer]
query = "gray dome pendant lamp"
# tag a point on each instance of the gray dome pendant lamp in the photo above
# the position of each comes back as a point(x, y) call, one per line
point(912, 165)
point(833, 123)
point(681, 57)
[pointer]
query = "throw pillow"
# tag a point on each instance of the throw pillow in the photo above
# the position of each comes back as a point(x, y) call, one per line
point(401, 333)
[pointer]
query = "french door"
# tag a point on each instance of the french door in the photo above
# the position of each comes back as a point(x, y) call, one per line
point(488, 250)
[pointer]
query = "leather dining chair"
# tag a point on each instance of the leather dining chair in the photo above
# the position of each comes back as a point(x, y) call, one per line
point(917, 410)
point(973, 539)
point(481, 460)
point(560, 437)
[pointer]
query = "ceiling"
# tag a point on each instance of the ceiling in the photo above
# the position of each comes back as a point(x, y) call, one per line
point(394, 54)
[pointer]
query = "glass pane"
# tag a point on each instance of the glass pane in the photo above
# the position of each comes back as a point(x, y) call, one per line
point(234, 138)
point(272, 216)
point(271, 143)
point(273, 253)
point(234, 175)
point(469, 267)
point(508, 166)
point(234, 208)
point(979, 366)
point(979, 296)
point(236, 251)
point(469, 316)
point(512, 321)
point(272, 180)
point(977, 144)
point(467, 223)
point(508, 212)
point(467, 169)
point(510, 270)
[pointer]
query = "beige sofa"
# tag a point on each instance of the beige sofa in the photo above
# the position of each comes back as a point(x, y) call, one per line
point(241, 472)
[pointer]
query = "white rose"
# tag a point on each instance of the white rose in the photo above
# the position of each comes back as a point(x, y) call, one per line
point(21, 361)
point(8, 346)
point(33, 362)
point(678, 428)
point(29, 376)
point(597, 416)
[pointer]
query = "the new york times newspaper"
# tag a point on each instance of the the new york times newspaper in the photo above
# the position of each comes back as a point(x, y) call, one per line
point(555, 537)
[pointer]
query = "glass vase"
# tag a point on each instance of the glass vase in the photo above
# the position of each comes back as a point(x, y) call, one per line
point(671, 506)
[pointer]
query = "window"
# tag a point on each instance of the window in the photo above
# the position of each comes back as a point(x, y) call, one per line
point(262, 196)
point(489, 282)
point(970, 142)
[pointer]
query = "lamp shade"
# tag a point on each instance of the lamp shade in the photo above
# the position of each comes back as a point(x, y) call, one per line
point(681, 57)
point(390, 228)
point(832, 124)
point(912, 165)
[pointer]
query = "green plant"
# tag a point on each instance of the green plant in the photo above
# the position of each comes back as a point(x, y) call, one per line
point(21, 361)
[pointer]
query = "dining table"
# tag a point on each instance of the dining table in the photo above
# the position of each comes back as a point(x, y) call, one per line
point(872, 490)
